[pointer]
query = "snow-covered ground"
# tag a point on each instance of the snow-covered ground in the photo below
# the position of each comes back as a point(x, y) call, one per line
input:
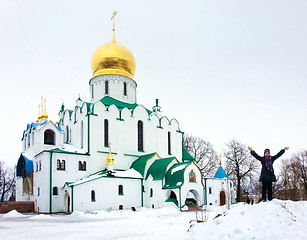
point(270, 220)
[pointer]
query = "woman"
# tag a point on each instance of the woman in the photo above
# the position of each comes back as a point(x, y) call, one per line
point(267, 172)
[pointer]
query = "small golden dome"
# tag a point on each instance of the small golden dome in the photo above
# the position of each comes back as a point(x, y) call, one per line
point(113, 58)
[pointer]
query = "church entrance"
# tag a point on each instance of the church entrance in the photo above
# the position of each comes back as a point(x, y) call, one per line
point(192, 199)
point(222, 198)
point(67, 202)
point(172, 197)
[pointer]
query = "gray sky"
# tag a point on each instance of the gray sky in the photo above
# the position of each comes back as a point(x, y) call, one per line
point(223, 69)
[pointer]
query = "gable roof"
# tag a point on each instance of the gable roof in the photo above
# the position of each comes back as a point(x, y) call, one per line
point(220, 173)
point(158, 168)
point(186, 156)
point(140, 164)
point(174, 177)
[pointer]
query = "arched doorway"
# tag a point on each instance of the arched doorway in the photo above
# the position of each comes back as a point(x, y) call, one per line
point(67, 202)
point(222, 198)
point(172, 197)
point(192, 198)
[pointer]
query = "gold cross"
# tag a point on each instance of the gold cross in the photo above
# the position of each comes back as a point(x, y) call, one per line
point(113, 18)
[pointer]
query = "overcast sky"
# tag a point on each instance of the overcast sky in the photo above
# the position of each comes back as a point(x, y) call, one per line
point(223, 69)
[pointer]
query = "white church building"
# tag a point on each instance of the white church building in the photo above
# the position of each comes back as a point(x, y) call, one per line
point(110, 152)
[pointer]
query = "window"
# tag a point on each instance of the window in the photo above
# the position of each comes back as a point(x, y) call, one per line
point(151, 193)
point(38, 191)
point(32, 138)
point(140, 136)
point(81, 134)
point(40, 165)
point(82, 166)
point(106, 87)
point(92, 91)
point(125, 89)
point(106, 133)
point(152, 206)
point(55, 191)
point(67, 134)
point(36, 167)
point(63, 165)
point(29, 140)
point(93, 197)
point(49, 137)
point(210, 190)
point(169, 143)
point(58, 164)
point(25, 141)
point(120, 190)
point(120, 207)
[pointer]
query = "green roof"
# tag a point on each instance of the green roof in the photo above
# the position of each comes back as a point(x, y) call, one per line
point(174, 177)
point(108, 101)
point(158, 168)
point(140, 164)
point(186, 156)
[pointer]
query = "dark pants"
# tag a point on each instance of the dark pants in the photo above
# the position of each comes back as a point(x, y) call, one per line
point(267, 186)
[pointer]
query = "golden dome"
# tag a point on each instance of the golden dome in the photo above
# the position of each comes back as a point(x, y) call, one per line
point(113, 58)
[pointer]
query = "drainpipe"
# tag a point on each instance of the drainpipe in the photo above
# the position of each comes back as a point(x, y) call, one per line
point(205, 193)
point(72, 198)
point(180, 198)
point(50, 184)
point(142, 197)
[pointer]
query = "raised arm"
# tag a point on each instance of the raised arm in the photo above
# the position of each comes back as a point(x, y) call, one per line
point(254, 154)
point(281, 152)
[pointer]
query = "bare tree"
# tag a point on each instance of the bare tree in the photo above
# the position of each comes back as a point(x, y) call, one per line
point(298, 166)
point(7, 182)
point(204, 154)
point(239, 164)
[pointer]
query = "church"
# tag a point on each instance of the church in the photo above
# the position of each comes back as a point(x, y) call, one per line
point(110, 153)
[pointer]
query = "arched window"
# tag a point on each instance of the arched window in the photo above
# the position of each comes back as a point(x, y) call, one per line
point(49, 137)
point(120, 190)
point(40, 165)
point(169, 143)
point(81, 133)
point(55, 191)
point(125, 89)
point(58, 164)
point(29, 140)
point(140, 136)
point(92, 90)
point(120, 207)
point(38, 191)
point(84, 166)
point(67, 134)
point(80, 165)
point(63, 165)
point(106, 87)
point(36, 167)
point(151, 193)
point(32, 138)
point(93, 197)
point(106, 133)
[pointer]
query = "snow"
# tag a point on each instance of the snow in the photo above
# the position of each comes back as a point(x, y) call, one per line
point(13, 214)
point(128, 173)
point(178, 168)
point(277, 219)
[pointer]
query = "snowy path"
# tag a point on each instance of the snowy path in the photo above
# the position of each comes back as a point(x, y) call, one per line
point(271, 220)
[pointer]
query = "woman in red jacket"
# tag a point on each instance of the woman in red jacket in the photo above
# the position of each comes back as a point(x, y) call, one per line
point(267, 171)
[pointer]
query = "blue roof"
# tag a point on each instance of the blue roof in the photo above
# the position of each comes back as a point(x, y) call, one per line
point(220, 173)
point(24, 165)
point(35, 125)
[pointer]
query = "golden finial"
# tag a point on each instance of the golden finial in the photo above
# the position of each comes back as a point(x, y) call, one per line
point(110, 159)
point(113, 18)
point(42, 115)
point(220, 156)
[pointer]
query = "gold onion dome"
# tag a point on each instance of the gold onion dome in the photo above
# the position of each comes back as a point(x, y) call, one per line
point(113, 58)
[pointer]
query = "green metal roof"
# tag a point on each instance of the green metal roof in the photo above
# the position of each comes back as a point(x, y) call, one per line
point(108, 101)
point(140, 164)
point(158, 168)
point(174, 177)
point(186, 156)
